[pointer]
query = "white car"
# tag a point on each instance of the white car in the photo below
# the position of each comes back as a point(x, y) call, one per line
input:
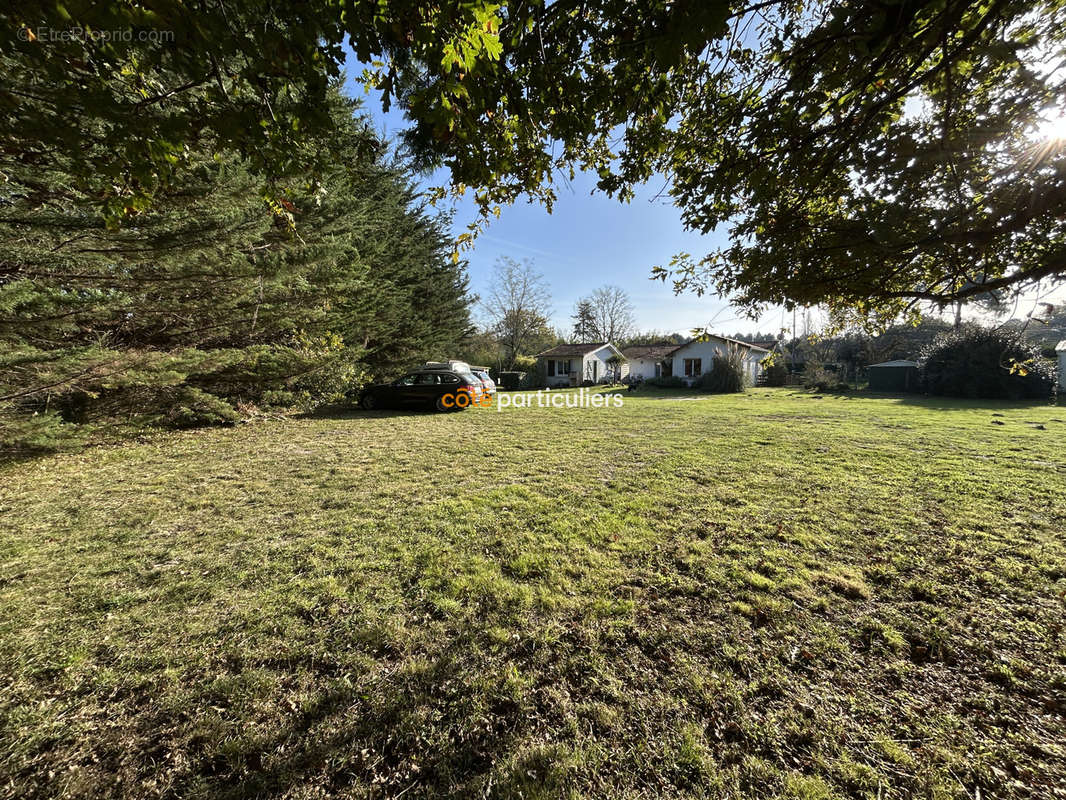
point(486, 381)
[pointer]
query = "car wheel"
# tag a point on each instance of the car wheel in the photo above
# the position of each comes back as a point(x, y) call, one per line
point(369, 402)
point(448, 408)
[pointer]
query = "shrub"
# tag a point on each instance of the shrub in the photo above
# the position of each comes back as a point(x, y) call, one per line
point(666, 382)
point(511, 380)
point(534, 380)
point(331, 369)
point(534, 373)
point(776, 375)
point(728, 374)
point(987, 363)
point(526, 364)
point(192, 408)
point(822, 379)
point(30, 433)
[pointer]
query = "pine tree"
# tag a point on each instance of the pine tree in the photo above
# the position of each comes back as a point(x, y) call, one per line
point(584, 318)
point(227, 290)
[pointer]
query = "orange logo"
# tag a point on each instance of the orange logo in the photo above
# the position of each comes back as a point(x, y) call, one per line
point(464, 398)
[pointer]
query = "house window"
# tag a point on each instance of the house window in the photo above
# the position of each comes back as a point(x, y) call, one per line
point(693, 367)
point(551, 368)
point(563, 368)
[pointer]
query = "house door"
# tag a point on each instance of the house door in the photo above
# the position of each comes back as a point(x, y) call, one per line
point(595, 371)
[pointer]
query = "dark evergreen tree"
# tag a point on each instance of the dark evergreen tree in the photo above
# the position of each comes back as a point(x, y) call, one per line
point(227, 290)
point(584, 318)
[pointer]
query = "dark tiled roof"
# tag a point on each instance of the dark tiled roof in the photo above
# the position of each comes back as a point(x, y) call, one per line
point(649, 351)
point(570, 350)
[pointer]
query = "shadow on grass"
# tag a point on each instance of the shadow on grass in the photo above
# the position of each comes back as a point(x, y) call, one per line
point(427, 731)
point(349, 411)
point(938, 403)
point(957, 403)
point(931, 402)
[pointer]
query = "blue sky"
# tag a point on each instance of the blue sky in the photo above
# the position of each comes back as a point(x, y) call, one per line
point(590, 241)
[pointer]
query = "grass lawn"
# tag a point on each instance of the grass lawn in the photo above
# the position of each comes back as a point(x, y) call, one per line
point(767, 595)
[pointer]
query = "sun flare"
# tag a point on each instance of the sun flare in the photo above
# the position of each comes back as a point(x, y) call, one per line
point(1052, 127)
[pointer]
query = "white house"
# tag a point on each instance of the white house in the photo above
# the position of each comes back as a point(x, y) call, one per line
point(697, 357)
point(573, 364)
point(648, 361)
point(1060, 348)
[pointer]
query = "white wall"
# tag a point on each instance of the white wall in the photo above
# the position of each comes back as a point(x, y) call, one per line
point(557, 379)
point(706, 351)
point(583, 366)
point(753, 358)
point(642, 367)
point(600, 358)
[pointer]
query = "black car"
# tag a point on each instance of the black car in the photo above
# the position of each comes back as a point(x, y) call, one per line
point(437, 389)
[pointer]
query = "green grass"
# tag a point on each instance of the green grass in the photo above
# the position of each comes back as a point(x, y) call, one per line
point(775, 594)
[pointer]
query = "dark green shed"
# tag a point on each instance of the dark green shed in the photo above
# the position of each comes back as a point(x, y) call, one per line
point(894, 376)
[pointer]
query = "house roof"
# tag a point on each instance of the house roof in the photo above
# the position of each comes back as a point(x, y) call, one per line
point(741, 343)
point(899, 362)
point(767, 344)
point(727, 339)
point(570, 350)
point(649, 351)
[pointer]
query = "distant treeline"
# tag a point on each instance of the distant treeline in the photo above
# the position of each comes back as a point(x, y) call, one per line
point(854, 350)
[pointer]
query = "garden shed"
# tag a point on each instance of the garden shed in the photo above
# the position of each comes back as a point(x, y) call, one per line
point(894, 376)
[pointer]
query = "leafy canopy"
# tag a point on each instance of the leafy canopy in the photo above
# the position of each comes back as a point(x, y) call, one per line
point(865, 157)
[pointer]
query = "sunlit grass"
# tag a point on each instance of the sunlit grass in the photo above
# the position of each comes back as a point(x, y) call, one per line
point(774, 594)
